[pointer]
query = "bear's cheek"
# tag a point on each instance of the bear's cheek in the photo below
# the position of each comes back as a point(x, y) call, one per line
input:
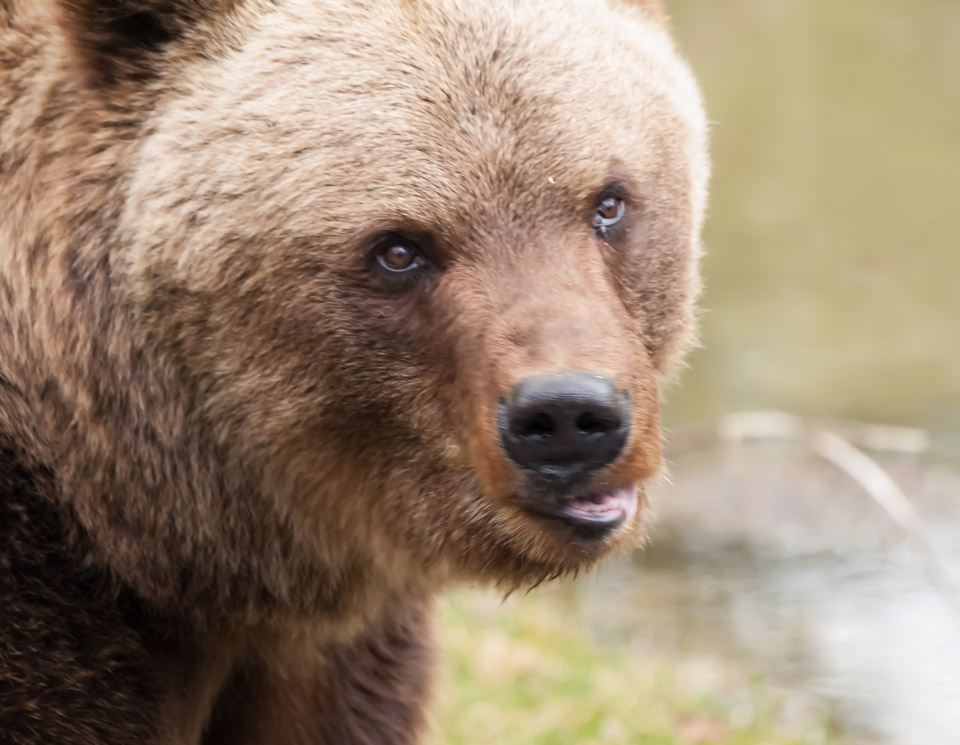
point(383, 372)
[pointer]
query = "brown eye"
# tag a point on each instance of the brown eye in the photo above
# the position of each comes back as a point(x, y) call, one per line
point(609, 212)
point(399, 257)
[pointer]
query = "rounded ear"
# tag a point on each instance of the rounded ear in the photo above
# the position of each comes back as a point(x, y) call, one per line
point(121, 40)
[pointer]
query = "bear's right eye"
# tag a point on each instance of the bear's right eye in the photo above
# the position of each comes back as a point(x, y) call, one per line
point(398, 255)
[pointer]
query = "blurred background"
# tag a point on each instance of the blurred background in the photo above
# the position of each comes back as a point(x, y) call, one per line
point(779, 601)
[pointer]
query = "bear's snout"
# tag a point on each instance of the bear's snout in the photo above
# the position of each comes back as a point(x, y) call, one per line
point(564, 425)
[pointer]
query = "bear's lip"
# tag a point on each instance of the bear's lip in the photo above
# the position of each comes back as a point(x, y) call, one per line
point(591, 515)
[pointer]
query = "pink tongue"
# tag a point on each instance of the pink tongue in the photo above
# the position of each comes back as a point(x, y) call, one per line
point(622, 501)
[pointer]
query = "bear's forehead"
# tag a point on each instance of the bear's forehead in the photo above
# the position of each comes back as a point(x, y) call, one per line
point(472, 75)
point(431, 105)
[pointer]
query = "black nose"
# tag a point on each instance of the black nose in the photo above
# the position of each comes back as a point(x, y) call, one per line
point(562, 425)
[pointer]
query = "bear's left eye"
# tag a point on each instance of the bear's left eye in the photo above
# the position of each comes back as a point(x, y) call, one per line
point(609, 212)
point(398, 255)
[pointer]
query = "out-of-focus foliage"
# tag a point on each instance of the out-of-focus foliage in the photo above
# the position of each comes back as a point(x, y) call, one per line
point(834, 239)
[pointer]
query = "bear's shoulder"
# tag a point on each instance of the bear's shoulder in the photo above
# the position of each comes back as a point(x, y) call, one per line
point(70, 663)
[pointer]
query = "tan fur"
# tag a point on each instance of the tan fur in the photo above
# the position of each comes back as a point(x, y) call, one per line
point(242, 429)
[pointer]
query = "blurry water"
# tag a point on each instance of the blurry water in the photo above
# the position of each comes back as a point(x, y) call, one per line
point(832, 261)
point(806, 583)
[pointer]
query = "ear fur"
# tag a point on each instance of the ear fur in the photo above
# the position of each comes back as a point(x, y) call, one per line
point(653, 8)
point(121, 40)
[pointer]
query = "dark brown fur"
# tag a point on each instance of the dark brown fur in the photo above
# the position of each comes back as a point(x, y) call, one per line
point(234, 465)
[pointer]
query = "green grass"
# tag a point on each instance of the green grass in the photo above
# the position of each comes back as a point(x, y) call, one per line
point(526, 672)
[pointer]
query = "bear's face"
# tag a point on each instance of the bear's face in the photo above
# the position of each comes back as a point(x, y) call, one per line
point(423, 264)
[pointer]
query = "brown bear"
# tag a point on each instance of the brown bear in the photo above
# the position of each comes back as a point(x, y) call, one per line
point(309, 309)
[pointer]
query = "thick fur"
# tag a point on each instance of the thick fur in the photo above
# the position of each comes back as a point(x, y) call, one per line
point(235, 461)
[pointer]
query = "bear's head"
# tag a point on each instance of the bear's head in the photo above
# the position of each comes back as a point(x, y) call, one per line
point(418, 266)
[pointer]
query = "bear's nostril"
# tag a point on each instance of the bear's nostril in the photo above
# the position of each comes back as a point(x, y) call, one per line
point(591, 424)
point(564, 423)
point(539, 425)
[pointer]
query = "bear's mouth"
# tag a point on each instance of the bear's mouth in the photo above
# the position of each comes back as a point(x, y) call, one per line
point(591, 515)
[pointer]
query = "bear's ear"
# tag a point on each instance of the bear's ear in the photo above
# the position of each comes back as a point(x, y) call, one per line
point(654, 8)
point(122, 40)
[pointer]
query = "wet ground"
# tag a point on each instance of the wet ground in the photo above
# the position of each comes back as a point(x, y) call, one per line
point(769, 561)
